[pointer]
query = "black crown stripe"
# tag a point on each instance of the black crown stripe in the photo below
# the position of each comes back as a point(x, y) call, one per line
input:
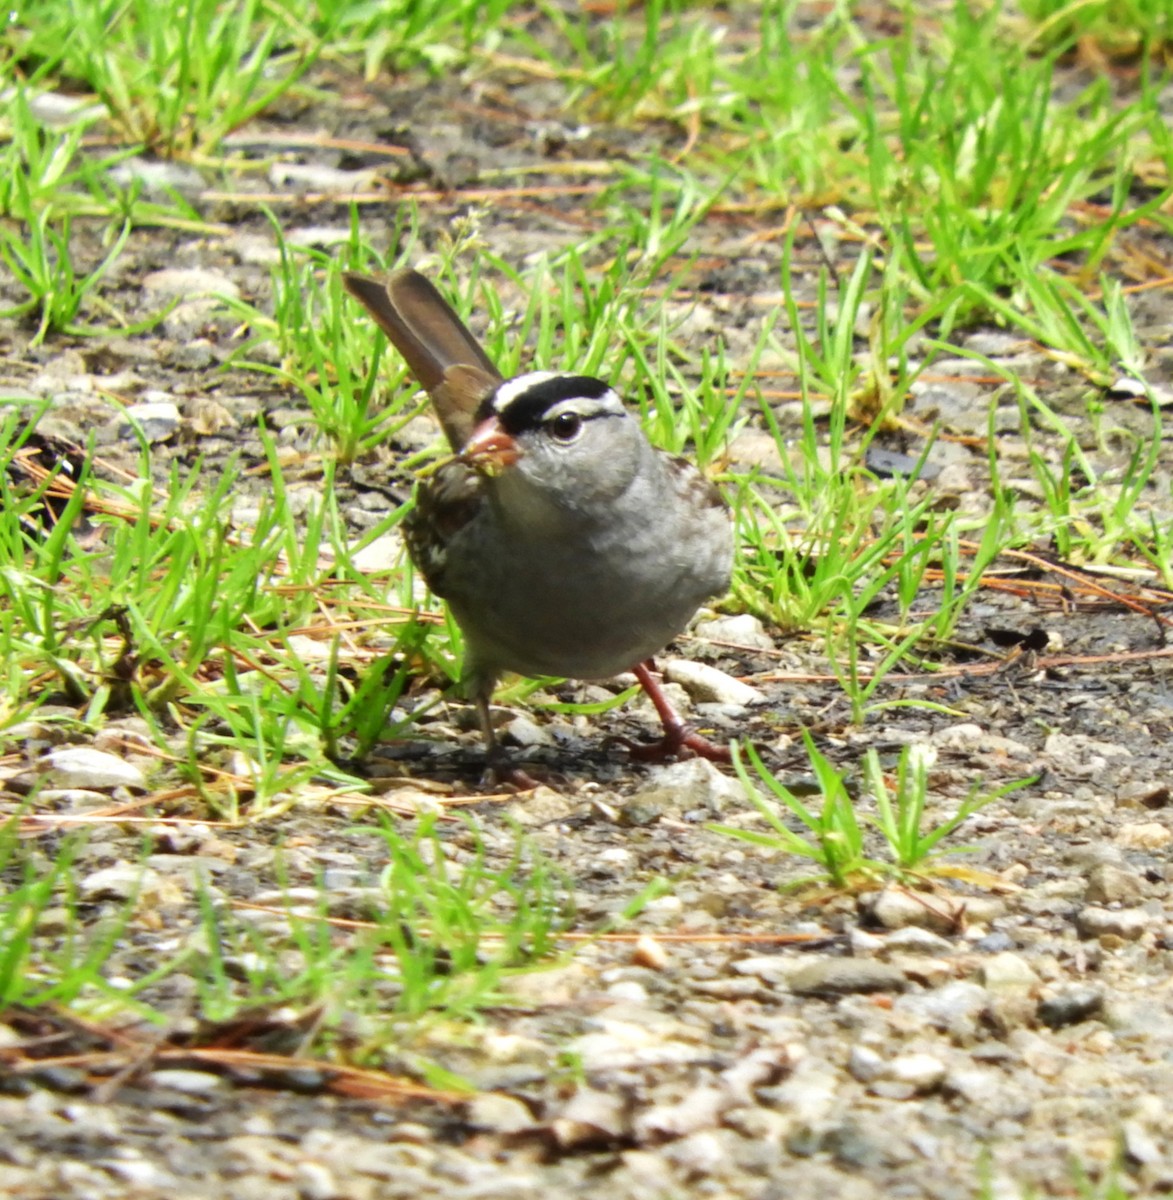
point(527, 408)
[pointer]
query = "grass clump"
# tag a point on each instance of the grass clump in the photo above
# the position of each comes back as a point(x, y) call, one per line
point(835, 832)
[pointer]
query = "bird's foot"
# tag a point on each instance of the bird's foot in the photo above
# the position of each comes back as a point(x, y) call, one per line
point(679, 741)
point(500, 772)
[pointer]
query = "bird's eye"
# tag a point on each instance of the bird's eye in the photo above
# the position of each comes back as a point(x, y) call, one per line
point(566, 426)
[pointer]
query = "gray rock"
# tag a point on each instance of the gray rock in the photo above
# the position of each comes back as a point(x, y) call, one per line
point(1070, 1006)
point(58, 110)
point(630, 990)
point(1125, 923)
point(698, 1155)
point(975, 1085)
point(995, 344)
point(1144, 794)
point(1081, 757)
point(157, 178)
point(1005, 971)
point(380, 555)
point(912, 939)
point(742, 630)
point(185, 283)
point(143, 1175)
point(688, 786)
point(700, 1109)
point(856, 1148)
point(843, 976)
point(84, 767)
point(117, 882)
point(1108, 884)
point(312, 177)
point(524, 731)
point(75, 799)
point(895, 908)
point(864, 1063)
point(315, 1181)
point(196, 1083)
point(810, 1095)
point(590, 1115)
point(994, 943)
point(158, 420)
point(957, 1007)
point(322, 237)
point(1139, 1144)
point(1144, 835)
point(498, 1113)
point(921, 1072)
point(864, 944)
point(773, 968)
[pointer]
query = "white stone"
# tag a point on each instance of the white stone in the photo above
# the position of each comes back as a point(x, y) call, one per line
point(501, 1114)
point(184, 1080)
point(1144, 835)
point(185, 283)
point(864, 1064)
point(694, 783)
point(920, 1071)
point(158, 419)
point(1007, 970)
point(85, 767)
point(742, 630)
point(308, 649)
point(706, 683)
point(380, 555)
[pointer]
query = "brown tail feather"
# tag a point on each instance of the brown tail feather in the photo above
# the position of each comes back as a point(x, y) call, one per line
point(423, 327)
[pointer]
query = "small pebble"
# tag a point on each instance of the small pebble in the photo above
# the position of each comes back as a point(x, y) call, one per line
point(1146, 835)
point(158, 421)
point(1125, 923)
point(921, 1072)
point(498, 1113)
point(895, 908)
point(186, 283)
point(706, 683)
point(913, 939)
point(694, 785)
point(864, 1063)
point(118, 882)
point(192, 1082)
point(84, 767)
point(588, 1116)
point(1007, 970)
point(1107, 884)
point(1071, 1006)
point(842, 976)
point(650, 953)
point(742, 630)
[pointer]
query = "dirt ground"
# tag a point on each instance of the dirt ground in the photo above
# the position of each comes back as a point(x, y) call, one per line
point(989, 1033)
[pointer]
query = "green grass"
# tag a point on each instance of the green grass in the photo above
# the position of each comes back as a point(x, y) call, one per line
point(445, 928)
point(909, 185)
point(834, 835)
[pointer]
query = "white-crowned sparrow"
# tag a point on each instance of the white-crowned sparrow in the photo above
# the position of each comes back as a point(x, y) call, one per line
point(562, 540)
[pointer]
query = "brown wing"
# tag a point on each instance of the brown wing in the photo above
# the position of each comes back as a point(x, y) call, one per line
point(446, 359)
point(444, 504)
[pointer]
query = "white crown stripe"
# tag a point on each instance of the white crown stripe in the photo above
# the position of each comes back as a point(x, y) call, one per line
point(512, 388)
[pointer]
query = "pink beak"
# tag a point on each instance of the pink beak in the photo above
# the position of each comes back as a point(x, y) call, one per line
point(490, 448)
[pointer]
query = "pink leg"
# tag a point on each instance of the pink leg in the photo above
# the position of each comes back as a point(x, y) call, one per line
point(679, 741)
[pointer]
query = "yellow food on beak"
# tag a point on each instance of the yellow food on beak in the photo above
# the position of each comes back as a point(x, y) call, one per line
point(490, 449)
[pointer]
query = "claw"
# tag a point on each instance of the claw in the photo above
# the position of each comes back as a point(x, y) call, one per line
point(680, 740)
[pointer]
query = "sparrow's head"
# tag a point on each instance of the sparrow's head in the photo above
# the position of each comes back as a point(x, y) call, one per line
point(567, 435)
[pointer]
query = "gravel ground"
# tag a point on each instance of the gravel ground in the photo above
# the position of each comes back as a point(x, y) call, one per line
point(915, 1044)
